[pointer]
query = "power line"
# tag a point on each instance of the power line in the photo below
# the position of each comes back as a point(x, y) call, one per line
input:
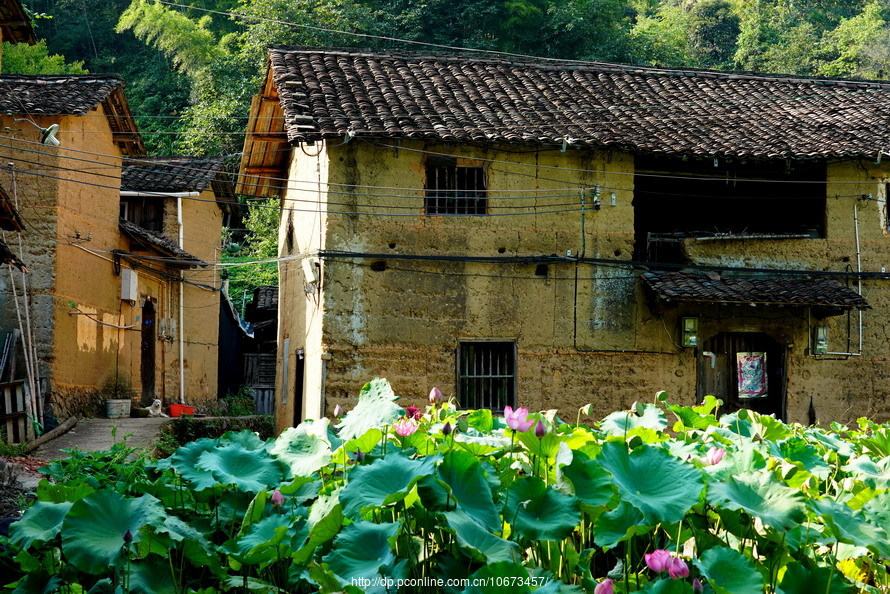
point(348, 255)
point(413, 191)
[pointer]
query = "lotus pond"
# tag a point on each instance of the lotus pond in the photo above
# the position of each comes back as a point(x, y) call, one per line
point(660, 498)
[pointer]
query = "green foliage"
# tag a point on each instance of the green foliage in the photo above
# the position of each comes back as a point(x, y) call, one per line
point(22, 58)
point(787, 508)
point(183, 430)
point(261, 223)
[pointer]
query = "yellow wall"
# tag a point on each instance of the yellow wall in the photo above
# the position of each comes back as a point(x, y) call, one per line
point(405, 322)
point(71, 226)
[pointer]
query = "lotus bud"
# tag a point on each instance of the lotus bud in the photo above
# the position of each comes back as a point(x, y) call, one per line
point(338, 411)
point(277, 498)
point(540, 430)
point(436, 396)
point(714, 455)
point(678, 569)
point(604, 587)
point(658, 561)
point(697, 586)
point(446, 430)
point(359, 456)
point(128, 536)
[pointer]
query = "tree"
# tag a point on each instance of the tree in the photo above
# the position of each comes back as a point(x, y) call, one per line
point(261, 244)
point(21, 58)
point(713, 31)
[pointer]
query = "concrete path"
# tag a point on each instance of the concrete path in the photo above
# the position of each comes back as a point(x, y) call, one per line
point(93, 435)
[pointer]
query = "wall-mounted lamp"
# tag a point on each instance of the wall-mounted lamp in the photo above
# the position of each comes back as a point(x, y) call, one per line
point(48, 134)
point(820, 340)
point(689, 330)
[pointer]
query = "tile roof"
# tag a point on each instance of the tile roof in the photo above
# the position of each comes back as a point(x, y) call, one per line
point(169, 174)
point(55, 95)
point(161, 243)
point(681, 286)
point(326, 93)
point(15, 23)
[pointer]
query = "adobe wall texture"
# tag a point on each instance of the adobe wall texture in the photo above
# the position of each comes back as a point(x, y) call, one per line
point(37, 198)
point(591, 340)
point(72, 224)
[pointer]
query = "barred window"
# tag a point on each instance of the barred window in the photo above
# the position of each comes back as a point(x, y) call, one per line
point(487, 375)
point(454, 190)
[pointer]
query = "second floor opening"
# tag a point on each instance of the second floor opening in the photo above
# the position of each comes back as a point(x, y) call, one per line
point(675, 200)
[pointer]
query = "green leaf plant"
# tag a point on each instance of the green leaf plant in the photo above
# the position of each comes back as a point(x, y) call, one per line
point(663, 498)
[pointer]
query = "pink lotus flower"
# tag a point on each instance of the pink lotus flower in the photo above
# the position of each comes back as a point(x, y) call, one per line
point(405, 427)
point(277, 498)
point(518, 420)
point(678, 569)
point(604, 587)
point(658, 561)
point(697, 586)
point(540, 430)
point(436, 396)
point(412, 412)
point(714, 455)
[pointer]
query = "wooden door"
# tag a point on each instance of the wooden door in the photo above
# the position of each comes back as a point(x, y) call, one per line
point(744, 370)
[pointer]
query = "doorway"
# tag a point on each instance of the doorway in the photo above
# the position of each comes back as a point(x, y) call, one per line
point(744, 370)
point(147, 359)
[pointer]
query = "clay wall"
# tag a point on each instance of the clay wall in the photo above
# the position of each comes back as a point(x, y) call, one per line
point(583, 332)
point(302, 231)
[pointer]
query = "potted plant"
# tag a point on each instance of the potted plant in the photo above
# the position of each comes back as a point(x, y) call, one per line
point(118, 394)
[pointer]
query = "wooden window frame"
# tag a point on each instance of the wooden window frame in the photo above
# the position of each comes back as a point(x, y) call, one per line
point(453, 189)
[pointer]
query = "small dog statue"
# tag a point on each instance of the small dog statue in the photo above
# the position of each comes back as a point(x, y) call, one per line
point(155, 409)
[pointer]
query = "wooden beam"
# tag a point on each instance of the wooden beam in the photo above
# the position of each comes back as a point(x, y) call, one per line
point(268, 137)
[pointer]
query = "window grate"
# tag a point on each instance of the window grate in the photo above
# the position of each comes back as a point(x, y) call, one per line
point(454, 190)
point(487, 375)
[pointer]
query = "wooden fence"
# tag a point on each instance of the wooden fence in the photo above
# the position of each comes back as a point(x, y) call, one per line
point(259, 375)
point(13, 420)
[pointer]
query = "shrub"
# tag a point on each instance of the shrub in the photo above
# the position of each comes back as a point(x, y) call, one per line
point(184, 429)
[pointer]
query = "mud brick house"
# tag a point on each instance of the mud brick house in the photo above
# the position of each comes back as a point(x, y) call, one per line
point(552, 234)
point(172, 214)
point(94, 278)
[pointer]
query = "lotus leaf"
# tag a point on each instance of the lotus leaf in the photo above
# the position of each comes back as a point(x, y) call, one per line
point(587, 481)
point(660, 486)
point(185, 461)
point(462, 473)
point(304, 448)
point(824, 580)
point(852, 526)
point(362, 550)
point(385, 481)
point(618, 525)
point(538, 512)
point(376, 408)
point(42, 522)
point(729, 572)
point(762, 496)
point(646, 416)
point(93, 530)
point(233, 465)
point(488, 547)
point(873, 473)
